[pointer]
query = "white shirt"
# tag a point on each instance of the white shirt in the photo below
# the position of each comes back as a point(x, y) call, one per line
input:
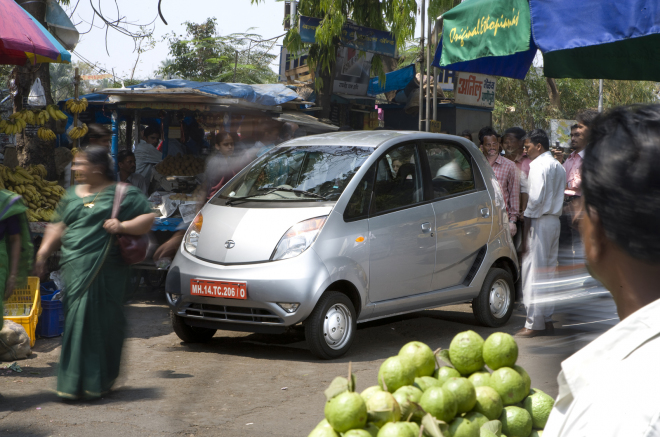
point(545, 186)
point(138, 181)
point(146, 157)
point(612, 386)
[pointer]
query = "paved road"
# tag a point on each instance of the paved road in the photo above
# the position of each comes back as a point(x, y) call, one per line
point(239, 384)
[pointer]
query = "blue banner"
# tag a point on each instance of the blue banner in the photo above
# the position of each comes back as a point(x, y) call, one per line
point(357, 37)
point(514, 66)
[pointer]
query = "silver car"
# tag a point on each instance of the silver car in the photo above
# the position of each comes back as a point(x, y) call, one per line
point(336, 229)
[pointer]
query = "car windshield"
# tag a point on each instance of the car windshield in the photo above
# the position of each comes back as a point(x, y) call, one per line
point(296, 173)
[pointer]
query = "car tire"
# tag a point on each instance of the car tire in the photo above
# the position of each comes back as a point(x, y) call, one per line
point(190, 334)
point(330, 328)
point(494, 304)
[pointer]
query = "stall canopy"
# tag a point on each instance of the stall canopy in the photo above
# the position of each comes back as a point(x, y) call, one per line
point(24, 40)
point(394, 81)
point(589, 40)
point(267, 95)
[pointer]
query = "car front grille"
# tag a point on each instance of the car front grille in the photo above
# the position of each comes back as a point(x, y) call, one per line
point(234, 314)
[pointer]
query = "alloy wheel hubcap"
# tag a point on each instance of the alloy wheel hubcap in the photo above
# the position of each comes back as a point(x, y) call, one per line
point(337, 326)
point(500, 296)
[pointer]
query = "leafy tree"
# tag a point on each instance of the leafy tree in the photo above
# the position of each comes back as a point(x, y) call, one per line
point(528, 103)
point(396, 16)
point(207, 56)
point(61, 80)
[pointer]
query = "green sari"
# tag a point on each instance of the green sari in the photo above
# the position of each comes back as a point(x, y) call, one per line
point(12, 205)
point(95, 278)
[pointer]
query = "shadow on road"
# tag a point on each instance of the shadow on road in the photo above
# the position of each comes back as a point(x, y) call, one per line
point(374, 340)
point(120, 395)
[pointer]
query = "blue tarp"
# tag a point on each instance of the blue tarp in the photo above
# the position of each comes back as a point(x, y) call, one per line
point(396, 80)
point(515, 66)
point(566, 24)
point(268, 94)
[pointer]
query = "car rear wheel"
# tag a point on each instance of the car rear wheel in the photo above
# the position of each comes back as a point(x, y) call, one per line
point(330, 329)
point(494, 304)
point(190, 334)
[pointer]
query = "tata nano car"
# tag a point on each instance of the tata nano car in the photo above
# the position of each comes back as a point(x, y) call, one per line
point(337, 229)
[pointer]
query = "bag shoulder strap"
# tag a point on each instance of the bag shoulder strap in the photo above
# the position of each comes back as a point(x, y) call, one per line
point(120, 192)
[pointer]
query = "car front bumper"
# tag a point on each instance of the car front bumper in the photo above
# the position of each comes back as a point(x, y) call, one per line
point(296, 280)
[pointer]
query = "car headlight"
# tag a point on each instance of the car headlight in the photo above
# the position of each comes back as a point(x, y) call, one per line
point(192, 234)
point(298, 238)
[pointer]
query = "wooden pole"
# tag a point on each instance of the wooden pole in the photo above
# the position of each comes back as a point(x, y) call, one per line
point(235, 65)
point(427, 113)
point(421, 67)
point(76, 83)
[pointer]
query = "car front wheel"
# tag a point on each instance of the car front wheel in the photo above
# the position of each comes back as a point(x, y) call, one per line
point(330, 329)
point(190, 334)
point(494, 304)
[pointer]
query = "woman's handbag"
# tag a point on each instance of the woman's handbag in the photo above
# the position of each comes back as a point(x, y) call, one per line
point(133, 247)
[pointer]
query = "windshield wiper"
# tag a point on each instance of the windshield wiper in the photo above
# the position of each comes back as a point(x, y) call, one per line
point(272, 190)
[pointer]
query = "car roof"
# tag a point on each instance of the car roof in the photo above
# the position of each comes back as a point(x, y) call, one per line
point(364, 138)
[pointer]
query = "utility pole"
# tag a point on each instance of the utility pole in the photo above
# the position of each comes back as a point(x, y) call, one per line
point(421, 66)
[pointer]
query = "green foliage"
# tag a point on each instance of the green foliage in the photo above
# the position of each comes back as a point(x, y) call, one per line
point(61, 79)
point(526, 103)
point(204, 55)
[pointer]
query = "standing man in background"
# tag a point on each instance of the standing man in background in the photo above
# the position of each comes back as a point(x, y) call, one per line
point(126, 164)
point(547, 179)
point(570, 243)
point(505, 172)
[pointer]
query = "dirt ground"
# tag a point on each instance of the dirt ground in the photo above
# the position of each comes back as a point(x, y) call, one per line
point(239, 384)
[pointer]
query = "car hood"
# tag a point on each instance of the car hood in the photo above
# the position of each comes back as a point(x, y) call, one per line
point(254, 231)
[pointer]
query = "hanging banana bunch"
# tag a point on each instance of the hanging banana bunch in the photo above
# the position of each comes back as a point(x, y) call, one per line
point(76, 106)
point(78, 132)
point(46, 134)
point(55, 113)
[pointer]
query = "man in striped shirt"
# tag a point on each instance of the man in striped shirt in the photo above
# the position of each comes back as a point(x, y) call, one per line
point(505, 172)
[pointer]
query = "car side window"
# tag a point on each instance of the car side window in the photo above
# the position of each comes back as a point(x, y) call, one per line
point(450, 168)
point(358, 205)
point(398, 179)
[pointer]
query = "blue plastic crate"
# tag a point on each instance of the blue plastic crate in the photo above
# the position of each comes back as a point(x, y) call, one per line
point(51, 322)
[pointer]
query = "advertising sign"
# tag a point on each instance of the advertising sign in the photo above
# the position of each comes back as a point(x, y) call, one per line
point(482, 28)
point(474, 89)
point(352, 72)
point(560, 132)
point(356, 37)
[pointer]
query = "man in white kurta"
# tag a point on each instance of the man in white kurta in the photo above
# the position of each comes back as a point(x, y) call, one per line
point(546, 182)
point(611, 388)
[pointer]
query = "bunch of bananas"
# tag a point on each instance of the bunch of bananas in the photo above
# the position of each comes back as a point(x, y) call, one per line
point(55, 113)
point(46, 134)
point(78, 132)
point(41, 196)
point(12, 126)
point(76, 106)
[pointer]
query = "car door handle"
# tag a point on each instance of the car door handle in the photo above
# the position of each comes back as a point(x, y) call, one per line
point(485, 212)
point(426, 227)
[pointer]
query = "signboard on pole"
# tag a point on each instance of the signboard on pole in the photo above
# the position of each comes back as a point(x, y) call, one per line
point(474, 89)
point(95, 76)
point(356, 37)
point(446, 79)
point(352, 72)
point(560, 132)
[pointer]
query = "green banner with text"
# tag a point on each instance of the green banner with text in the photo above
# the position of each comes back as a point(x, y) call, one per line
point(481, 28)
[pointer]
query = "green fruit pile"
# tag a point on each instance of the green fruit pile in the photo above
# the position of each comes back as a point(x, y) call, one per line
point(464, 399)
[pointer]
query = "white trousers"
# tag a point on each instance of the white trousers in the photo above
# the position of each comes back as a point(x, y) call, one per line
point(539, 266)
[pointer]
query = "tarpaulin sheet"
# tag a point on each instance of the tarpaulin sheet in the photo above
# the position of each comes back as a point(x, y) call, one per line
point(268, 95)
point(395, 80)
point(598, 40)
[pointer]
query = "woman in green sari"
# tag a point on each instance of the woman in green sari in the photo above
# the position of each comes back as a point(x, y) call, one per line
point(94, 273)
point(15, 246)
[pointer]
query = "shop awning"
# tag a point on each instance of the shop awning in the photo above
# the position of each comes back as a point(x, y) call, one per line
point(394, 81)
point(264, 95)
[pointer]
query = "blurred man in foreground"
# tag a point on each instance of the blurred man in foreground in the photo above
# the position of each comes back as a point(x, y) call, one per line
point(547, 180)
point(569, 241)
point(610, 388)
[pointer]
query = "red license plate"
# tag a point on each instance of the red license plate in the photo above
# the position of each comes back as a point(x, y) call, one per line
point(225, 289)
